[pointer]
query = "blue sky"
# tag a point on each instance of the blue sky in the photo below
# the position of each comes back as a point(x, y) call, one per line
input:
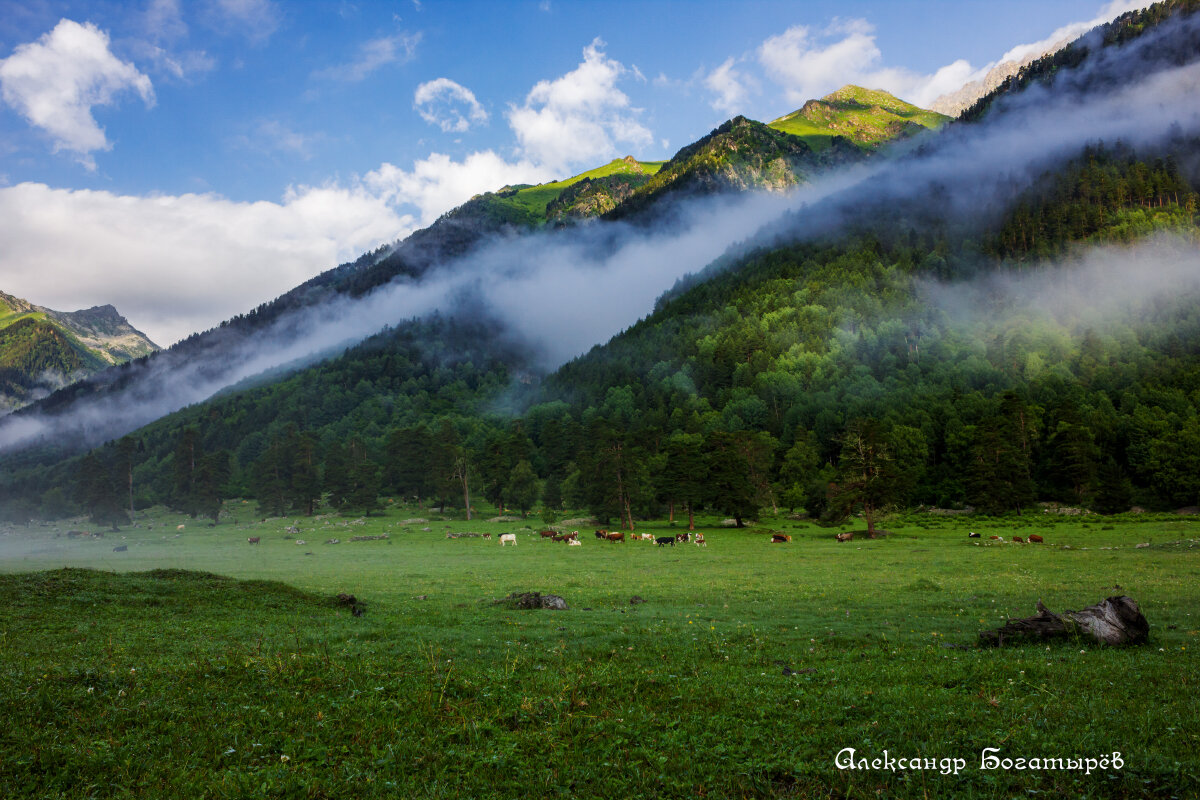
point(189, 160)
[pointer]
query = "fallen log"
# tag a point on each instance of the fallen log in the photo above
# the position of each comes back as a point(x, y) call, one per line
point(1115, 621)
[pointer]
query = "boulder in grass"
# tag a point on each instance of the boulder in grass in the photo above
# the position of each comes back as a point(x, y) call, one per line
point(535, 600)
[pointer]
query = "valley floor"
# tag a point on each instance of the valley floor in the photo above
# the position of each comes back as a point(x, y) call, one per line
point(193, 664)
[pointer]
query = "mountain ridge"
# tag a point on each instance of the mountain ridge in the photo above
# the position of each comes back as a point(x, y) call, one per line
point(43, 350)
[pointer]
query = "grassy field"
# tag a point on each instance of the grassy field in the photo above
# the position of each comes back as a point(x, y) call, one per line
point(193, 664)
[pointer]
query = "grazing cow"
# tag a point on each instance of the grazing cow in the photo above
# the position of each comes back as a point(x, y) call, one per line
point(253, 539)
point(663, 541)
point(616, 536)
point(777, 538)
point(508, 538)
point(972, 535)
point(1035, 539)
point(548, 534)
point(845, 537)
point(178, 527)
point(487, 536)
point(997, 538)
point(682, 537)
point(1018, 539)
point(700, 540)
point(575, 543)
point(646, 537)
point(601, 534)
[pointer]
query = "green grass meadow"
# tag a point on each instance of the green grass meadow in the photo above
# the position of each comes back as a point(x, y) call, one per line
point(196, 665)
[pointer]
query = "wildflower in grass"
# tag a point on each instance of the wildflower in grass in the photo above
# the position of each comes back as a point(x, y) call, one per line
point(285, 759)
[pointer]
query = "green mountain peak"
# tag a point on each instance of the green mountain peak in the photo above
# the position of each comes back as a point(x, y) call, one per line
point(870, 118)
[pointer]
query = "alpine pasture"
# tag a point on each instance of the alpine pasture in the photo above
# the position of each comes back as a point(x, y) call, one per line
point(195, 664)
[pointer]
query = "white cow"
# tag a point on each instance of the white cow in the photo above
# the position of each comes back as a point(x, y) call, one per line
point(506, 538)
point(575, 543)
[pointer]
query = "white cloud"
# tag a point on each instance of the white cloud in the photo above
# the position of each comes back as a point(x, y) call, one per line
point(449, 105)
point(376, 53)
point(56, 81)
point(438, 183)
point(579, 117)
point(168, 262)
point(732, 87)
point(808, 64)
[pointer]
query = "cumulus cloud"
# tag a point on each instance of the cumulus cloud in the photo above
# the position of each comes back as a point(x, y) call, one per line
point(449, 105)
point(373, 54)
point(579, 117)
point(56, 81)
point(439, 183)
point(731, 86)
point(807, 63)
point(168, 262)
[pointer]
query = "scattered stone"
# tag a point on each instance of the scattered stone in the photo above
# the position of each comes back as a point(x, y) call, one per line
point(421, 597)
point(534, 600)
point(120, 548)
point(368, 538)
point(633, 601)
point(333, 541)
point(1140, 545)
point(293, 529)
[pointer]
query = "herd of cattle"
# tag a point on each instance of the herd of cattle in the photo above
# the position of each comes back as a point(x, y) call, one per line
point(572, 538)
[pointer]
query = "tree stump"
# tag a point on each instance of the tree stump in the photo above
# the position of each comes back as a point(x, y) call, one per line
point(1115, 621)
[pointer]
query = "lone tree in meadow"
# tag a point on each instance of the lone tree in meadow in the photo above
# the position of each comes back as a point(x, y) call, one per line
point(869, 477)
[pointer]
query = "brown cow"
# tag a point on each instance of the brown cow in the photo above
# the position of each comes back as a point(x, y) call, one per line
point(1018, 539)
point(616, 536)
point(845, 537)
point(700, 540)
point(601, 534)
point(683, 537)
point(253, 539)
point(780, 537)
point(1035, 539)
point(548, 534)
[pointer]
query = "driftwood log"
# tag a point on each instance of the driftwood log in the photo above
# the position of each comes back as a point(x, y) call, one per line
point(1115, 621)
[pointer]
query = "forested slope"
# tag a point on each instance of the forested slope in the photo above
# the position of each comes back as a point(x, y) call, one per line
point(909, 341)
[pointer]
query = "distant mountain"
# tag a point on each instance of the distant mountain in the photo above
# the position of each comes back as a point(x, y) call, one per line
point(958, 101)
point(869, 118)
point(42, 350)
